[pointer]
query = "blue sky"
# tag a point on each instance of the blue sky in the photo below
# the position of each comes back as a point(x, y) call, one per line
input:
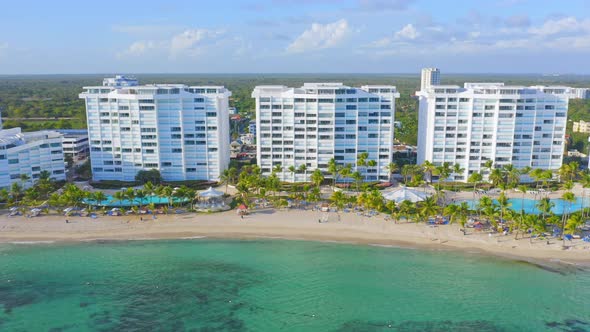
point(294, 36)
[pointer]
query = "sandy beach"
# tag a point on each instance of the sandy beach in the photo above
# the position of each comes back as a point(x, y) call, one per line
point(293, 224)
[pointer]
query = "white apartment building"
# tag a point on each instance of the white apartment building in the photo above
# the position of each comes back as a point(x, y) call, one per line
point(29, 154)
point(522, 126)
point(430, 76)
point(183, 131)
point(319, 121)
point(581, 127)
point(75, 143)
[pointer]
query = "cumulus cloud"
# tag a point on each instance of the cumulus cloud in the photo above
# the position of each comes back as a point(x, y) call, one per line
point(561, 26)
point(193, 41)
point(320, 36)
point(189, 42)
point(555, 34)
point(139, 48)
point(407, 32)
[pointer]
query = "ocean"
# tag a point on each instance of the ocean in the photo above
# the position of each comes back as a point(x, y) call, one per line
point(280, 285)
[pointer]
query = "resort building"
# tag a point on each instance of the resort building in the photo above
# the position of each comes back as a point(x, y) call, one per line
point(75, 143)
point(319, 121)
point(29, 154)
point(183, 131)
point(581, 127)
point(430, 76)
point(518, 125)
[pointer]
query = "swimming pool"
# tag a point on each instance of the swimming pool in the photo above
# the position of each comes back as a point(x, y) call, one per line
point(113, 202)
point(529, 205)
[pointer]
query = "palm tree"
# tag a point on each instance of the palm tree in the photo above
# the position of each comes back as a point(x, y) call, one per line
point(98, 197)
point(16, 192)
point(475, 178)
point(317, 177)
point(292, 170)
point(585, 181)
point(496, 177)
point(463, 213)
point(358, 178)
point(334, 169)
point(302, 169)
point(428, 168)
point(278, 168)
point(536, 174)
point(573, 223)
point(569, 197)
point(451, 210)
point(24, 178)
point(443, 171)
point(428, 207)
point(339, 199)
point(392, 168)
point(224, 178)
point(407, 208)
point(484, 202)
point(504, 204)
point(489, 164)
point(457, 169)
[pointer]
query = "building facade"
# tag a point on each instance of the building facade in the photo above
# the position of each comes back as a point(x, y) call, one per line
point(522, 126)
point(581, 127)
point(320, 121)
point(430, 76)
point(183, 131)
point(29, 154)
point(75, 143)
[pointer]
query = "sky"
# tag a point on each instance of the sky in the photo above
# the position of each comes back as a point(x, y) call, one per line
point(294, 36)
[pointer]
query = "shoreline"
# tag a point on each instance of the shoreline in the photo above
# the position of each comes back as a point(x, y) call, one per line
point(288, 225)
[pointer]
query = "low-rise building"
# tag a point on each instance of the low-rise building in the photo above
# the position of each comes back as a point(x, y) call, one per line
point(26, 155)
point(75, 143)
point(581, 127)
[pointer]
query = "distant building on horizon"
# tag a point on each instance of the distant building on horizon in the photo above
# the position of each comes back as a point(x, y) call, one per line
point(29, 154)
point(429, 77)
point(471, 125)
point(310, 125)
point(182, 131)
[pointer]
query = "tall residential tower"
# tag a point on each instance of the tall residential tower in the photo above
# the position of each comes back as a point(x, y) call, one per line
point(430, 76)
point(183, 131)
point(319, 121)
point(470, 125)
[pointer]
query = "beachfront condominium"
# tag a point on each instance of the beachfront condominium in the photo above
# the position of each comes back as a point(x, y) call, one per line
point(319, 121)
point(23, 156)
point(430, 76)
point(182, 131)
point(471, 125)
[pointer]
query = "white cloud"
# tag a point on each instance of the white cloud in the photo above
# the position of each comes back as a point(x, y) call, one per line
point(561, 26)
point(193, 41)
point(138, 48)
point(320, 36)
point(407, 32)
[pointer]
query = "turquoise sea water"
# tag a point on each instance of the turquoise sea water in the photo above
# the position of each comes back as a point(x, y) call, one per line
point(273, 285)
point(530, 205)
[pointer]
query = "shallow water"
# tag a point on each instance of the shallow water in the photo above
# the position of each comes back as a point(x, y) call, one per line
point(276, 285)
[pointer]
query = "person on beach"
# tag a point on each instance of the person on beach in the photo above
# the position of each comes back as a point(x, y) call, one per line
point(140, 218)
point(241, 216)
point(67, 221)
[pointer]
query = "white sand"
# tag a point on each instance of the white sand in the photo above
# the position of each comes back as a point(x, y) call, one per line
point(293, 224)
